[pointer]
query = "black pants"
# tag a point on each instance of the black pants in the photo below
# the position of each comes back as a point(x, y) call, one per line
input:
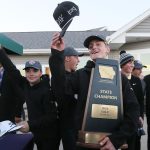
point(131, 142)
point(138, 143)
point(148, 132)
point(29, 146)
point(47, 144)
point(68, 139)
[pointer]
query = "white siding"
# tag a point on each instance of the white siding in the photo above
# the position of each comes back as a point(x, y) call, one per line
point(136, 46)
point(143, 27)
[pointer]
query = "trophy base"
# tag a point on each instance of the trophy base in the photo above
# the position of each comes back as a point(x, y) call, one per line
point(91, 137)
point(97, 146)
point(91, 140)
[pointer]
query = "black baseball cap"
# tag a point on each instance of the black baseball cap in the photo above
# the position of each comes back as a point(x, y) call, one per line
point(93, 37)
point(70, 51)
point(33, 64)
point(64, 13)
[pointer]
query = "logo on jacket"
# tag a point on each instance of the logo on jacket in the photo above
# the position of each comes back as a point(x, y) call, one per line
point(134, 84)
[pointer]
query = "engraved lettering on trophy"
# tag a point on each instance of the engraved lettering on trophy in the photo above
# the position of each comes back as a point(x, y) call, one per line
point(105, 94)
point(104, 111)
point(98, 96)
point(106, 91)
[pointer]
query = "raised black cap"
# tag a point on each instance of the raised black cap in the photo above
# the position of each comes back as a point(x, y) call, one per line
point(64, 13)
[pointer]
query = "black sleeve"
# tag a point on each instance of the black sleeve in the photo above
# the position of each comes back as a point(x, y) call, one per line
point(140, 98)
point(62, 85)
point(72, 83)
point(147, 82)
point(129, 125)
point(10, 68)
point(49, 116)
point(19, 96)
point(57, 68)
point(19, 107)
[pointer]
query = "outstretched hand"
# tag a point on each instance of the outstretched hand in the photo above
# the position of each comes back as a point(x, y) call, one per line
point(57, 42)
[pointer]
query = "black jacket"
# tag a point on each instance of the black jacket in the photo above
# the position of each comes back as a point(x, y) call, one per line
point(67, 108)
point(137, 87)
point(9, 96)
point(39, 98)
point(67, 105)
point(147, 81)
point(79, 84)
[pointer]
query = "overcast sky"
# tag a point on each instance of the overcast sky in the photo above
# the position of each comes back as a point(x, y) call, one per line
point(37, 15)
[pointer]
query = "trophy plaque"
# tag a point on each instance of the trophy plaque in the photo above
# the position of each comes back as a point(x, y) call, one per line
point(104, 108)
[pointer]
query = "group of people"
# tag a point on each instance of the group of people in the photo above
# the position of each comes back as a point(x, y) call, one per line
point(78, 83)
point(56, 110)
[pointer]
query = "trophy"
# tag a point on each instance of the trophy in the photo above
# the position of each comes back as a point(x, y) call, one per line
point(104, 108)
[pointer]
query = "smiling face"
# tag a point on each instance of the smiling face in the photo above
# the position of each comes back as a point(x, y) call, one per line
point(33, 75)
point(98, 49)
point(128, 67)
point(137, 72)
point(71, 63)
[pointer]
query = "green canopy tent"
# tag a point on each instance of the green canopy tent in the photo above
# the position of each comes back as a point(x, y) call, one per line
point(10, 46)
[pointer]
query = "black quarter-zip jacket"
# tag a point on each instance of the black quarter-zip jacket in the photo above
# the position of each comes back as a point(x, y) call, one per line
point(41, 107)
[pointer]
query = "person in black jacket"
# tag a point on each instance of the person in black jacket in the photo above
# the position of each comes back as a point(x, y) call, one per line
point(42, 112)
point(127, 66)
point(147, 81)
point(8, 90)
point(67, 106)
point(138, 72)
point(79, 83)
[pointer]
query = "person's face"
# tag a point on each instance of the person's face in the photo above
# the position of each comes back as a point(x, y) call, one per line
point(73, 62)
point(137, 72)
point(128, 67)
point(33, 75)
point(98, 49)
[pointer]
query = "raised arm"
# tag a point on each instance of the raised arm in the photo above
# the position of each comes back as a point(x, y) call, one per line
point(10, 68)
point(56, 63)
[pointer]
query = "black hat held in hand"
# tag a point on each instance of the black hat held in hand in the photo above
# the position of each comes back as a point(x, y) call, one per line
point(64, 13)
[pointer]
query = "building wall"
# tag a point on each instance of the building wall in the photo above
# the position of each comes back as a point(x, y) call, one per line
point(136, 46)
point(142, 27)
point(140, 51)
